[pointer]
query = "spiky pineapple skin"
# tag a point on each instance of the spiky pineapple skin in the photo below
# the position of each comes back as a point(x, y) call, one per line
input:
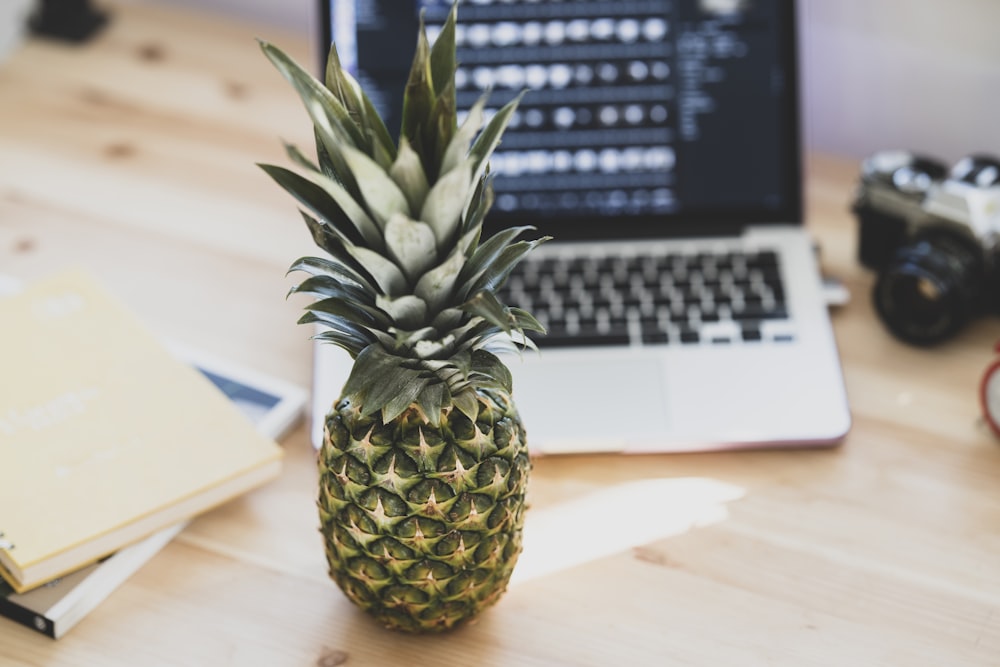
point(423, 523)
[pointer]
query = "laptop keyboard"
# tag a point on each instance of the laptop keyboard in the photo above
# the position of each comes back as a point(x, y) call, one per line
point(685, 299)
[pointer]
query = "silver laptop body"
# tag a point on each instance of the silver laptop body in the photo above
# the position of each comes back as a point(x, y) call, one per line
point(681, 291)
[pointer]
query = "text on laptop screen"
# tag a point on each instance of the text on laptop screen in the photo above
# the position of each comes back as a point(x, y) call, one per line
point(654, 110)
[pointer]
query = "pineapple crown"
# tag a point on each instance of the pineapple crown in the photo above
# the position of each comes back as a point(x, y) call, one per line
point(409, 287)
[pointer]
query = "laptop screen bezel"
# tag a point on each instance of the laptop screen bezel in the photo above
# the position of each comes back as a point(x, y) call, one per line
point(703, 222)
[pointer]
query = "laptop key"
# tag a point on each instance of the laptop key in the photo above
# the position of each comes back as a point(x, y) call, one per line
point(689, 336)
point(567, 339)
point(777, 313)
point(765, 258)
point(679, 316)
point(760, 313)
point(655, 337)
point(692, 299)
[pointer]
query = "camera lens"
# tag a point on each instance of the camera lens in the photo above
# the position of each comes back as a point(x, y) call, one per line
point(928, 291)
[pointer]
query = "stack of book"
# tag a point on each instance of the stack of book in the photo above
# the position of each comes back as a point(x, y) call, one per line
point(110, 441)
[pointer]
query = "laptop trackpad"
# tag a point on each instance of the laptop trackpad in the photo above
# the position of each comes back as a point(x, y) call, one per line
point(576, 405)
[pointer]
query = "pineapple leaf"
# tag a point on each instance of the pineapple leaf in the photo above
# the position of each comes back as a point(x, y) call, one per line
point(332, 166)
point(408, 173)
point(382, 196)
point(489, 139)
point(385, 146)
point(331, 150)
point(341, 88)
point(372, 364)
point(402, 399)
point(317, 200)
point(433, 399)
point(327, 286)
point(387, 275)
point(339, 323)
point(499, 342)
point(379, 377)
point(350, 310)
point(443, 208)
point(488, 364)
point(351, 210)
point(435, 287)
point(318, 266)
point(480, 203)
point(354, 99)
point(442, 125)
point(296, 156)
point(330, 201)
point(336, 245)
point(496, 274)
point(458, 148)
point(443, 55)
point(326, 164)
point(418, 98)
point(406, 312)
point(411, 338)
point(525, 321)
point(325, 235)
point(435, 349)
point(486, 305)
point(447, 319)
point(467, 403)
point(469, 241)
point(468, 331)
point(486, 255)
point(326, 111)
point(354, 345)
point(410, 244)
point(462, 363)
point(333, 125)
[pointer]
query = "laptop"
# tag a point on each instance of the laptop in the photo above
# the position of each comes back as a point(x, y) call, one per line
point(659, 147)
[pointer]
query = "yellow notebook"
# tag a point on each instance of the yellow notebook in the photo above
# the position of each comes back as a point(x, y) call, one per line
point(104, 436)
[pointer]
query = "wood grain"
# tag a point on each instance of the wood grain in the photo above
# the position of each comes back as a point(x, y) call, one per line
point(133, 157)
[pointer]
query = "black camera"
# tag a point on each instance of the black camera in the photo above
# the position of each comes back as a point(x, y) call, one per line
point(931, 234)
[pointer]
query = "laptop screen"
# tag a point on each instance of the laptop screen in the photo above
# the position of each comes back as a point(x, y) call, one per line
point(659, 117)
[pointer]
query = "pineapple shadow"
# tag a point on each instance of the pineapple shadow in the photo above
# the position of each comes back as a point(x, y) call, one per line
point(600, 524)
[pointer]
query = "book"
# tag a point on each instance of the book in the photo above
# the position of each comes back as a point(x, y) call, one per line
point(105, 437)
point(273, 405)
point(55, 607)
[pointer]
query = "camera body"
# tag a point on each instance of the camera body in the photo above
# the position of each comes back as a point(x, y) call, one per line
point(933, 235)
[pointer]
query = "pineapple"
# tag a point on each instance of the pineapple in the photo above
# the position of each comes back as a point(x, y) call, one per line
point(424, 463)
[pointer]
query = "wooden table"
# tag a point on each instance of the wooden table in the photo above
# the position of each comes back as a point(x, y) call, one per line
point(133, 157)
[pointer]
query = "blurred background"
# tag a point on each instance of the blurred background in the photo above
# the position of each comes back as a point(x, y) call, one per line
point(876, 73)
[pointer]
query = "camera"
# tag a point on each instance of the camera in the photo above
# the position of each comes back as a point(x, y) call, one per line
point(931, 234)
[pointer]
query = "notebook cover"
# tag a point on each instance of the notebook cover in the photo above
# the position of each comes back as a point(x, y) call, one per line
point(103, 430)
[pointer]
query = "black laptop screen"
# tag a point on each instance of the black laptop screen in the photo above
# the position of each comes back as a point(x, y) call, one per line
point(656, 116)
